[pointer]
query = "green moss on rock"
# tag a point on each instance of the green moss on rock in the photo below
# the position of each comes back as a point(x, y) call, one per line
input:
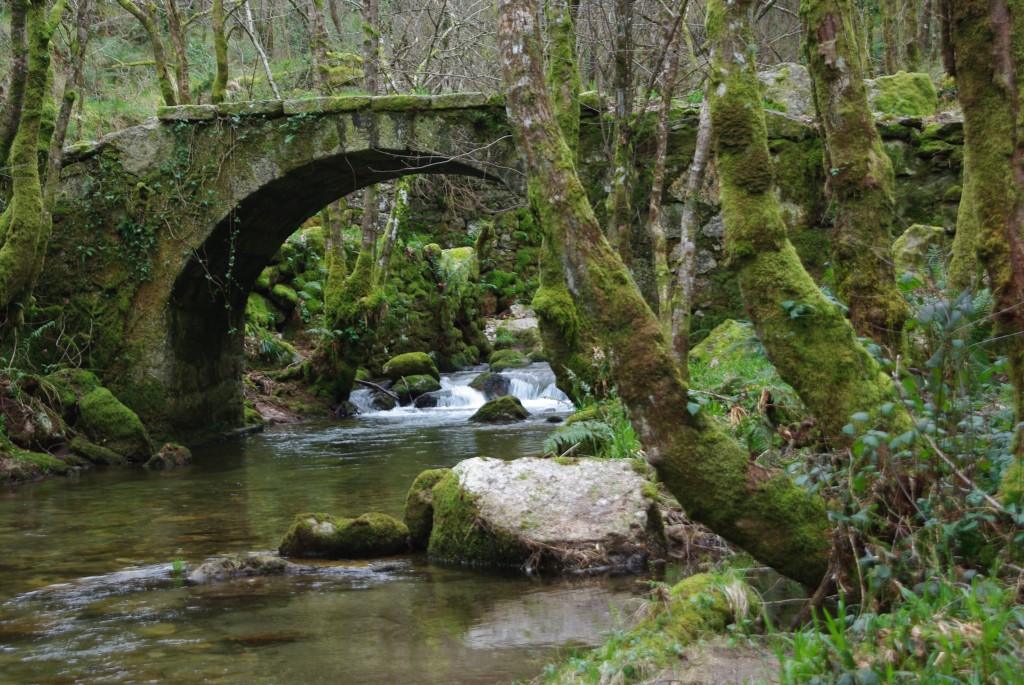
point(905, 94)
point(501, 410)
point(508, 359)
point(96, 454)
point(409, 388)
point(169, 456)
point(724, 344)
point(111, 424)
point(419, 507)
point(332, 537)
point(411, 364)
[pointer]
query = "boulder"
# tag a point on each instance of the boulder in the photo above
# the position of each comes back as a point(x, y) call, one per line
point(408, 388)
point(911, 250)
point(431, 399)
point(728, 342)
point(169, 456)
point(109, 423)
point(96, 454)
point(322, 536)
point(903, 94)
point(508, 359)
point(492, 385)
point(411, 364)
point(787, 88)
point(584, 515)
point(501, 410)
point(240, 566)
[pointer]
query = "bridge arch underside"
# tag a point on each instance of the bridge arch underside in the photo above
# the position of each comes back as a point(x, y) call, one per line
point(205, 316)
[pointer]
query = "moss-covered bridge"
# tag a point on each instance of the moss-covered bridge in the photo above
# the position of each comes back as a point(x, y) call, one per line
point(161, 230)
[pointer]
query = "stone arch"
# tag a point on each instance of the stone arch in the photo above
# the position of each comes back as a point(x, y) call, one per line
point(205, 313)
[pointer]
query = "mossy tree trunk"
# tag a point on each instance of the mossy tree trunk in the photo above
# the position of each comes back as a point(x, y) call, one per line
point(72, 91)
point(25, 225)
point(146, 15)
point(220, 51)
point(179, 40)
point(318, 48)
point(619, 199)
point(806, 337)
point(758, 509)
point(988, 44)
point(10, 112)
point(859, 174)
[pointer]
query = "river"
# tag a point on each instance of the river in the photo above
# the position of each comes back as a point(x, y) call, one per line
point(89, 593)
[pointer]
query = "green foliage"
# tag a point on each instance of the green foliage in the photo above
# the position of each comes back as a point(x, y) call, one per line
point(601, 429)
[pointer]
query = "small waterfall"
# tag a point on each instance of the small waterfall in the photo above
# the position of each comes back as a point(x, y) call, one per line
point(362, 399)
point(535, 382)
point(458, 395)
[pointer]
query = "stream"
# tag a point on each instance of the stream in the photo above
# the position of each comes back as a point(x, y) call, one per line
point(88, 592)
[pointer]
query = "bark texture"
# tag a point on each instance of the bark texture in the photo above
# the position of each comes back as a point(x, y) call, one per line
point(10, 113)
point(760, 510)
point(988, 45)
point(859, 174)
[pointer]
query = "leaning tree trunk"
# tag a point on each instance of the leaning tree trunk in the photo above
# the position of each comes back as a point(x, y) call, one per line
point(146, 15)
point(988, 44)
point(220, 50)
point(859, 173)
point(72, 91)
point(25, 224)
point(759, 509)
point(806, 337)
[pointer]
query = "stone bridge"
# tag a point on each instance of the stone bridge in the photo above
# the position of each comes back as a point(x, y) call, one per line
point(165, 227)
point(161, 230)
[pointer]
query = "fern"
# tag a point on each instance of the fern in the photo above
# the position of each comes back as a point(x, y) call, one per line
point(590, 436)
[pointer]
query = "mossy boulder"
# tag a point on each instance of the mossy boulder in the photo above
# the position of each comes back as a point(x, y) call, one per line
point(537, 513)
point(411, 364)
point(259, 312)
point(492, 385)
point(419, 506)
point(322, 536)
point(240, 566)
point(408, 388)
point(169, 456)
point(903, 94)
point(508, 359)
point(284, 297)
point(786, 88)
point(96, 454)
point(912, 250)
point(501, 410)
point(729, 341)
point(109, 423)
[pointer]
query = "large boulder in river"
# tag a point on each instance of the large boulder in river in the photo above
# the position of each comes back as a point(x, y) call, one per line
point(240, 566)
point(587, 515)
point(411, 364)
point(508, 359)
point(109, 423)
point(502, 410)
point(419, 506)
point(322, 536)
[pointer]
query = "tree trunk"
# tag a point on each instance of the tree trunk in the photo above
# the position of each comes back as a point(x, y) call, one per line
point(371, 46)
point(806, 337)
point(250, 28)
point(147, 17)
point(318, 48)
point(987, 38)
point(220, 50)
point(179, 40)
point(10, 113)
point(25, 225)
point(619, 200)
point(72, 90)
point(859, 174)
point(681, 300)
point(891, 43)
point(758, 509)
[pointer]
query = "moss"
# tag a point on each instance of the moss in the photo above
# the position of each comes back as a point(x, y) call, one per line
point(257, 313)
point(725, 344)
point(508, 359)
point(458, 536)
point(912, 250)
point(97, 454)
point(409, 388)
point(419, 507)
point(331, 537)
point(1011, 488)
point(501, 410)
point(906, 95)
point(411, 364)
point(113, 425)
point(284, 296)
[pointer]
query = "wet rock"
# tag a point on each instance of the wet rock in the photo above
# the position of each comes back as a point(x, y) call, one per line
point(411, 364)
point(322, 536)
point(240, 566)
point(96, 454)
point(408, 388)
point(430, 400)
point(169, 456)
point(492, 385)
point(381, 401)
point(501, 410)
point(588, 515)
point(109, 423)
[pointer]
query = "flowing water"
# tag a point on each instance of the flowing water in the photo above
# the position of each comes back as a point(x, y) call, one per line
point(89, 593)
